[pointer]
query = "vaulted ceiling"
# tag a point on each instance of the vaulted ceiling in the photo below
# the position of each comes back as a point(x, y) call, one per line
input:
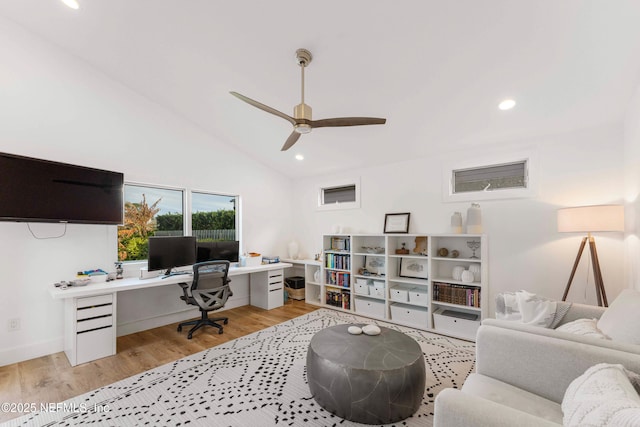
point(435, 69)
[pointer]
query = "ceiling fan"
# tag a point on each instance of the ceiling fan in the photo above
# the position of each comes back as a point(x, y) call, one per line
point(301, 120)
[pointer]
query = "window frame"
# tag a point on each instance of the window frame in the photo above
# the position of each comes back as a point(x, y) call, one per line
point(346, 182)
point(186, 211)
point(487, 161)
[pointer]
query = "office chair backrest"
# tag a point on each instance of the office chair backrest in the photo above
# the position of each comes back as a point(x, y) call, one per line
point(210, 287)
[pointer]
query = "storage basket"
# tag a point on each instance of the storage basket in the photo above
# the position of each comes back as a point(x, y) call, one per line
point(297, 294)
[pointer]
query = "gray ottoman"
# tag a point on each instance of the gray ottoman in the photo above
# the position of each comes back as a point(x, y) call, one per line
point(368, 379)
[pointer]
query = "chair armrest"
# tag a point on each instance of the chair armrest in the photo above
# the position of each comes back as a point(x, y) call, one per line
point(185, 290)
point(542, 364)
point(455, 408)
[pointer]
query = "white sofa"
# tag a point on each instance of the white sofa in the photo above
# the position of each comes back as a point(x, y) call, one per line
point(522, 371)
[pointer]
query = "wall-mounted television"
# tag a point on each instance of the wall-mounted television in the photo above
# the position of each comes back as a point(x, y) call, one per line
point(35, 190)
point(169, 252)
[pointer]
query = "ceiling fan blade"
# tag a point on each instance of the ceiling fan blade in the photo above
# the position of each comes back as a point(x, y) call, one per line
point(293, 138)
point(264, 107)
point(347, 121)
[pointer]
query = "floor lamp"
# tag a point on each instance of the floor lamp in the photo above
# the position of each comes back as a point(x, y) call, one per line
point(590, 219)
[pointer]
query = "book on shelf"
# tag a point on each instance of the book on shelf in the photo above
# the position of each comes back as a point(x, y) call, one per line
point(338, 299)
point(338, 261)
point(456, 294)
point(338, 278)
point(340, 244)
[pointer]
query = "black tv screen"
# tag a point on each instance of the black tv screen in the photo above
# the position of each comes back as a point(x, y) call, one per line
point(36, 190)
point(166, 253)
point(222, 250)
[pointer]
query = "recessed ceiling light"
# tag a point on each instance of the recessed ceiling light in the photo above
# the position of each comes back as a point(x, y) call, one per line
point(507, 104)
point(299, 157)
point(73, 4)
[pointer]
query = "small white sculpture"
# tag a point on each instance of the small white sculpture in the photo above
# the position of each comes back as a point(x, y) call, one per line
point(371, 330)
point(354, 330)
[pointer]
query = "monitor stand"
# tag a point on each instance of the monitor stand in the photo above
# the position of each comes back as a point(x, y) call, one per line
point(170, 273)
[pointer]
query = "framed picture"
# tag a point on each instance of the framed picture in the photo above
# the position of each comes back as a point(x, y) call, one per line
point(413, 268)
point(375, 265)
point(396, 222)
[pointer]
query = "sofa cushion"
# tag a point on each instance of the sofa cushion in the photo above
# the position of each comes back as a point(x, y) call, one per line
point(602, 396)
point(620, 321)
point(584, 327)
point(508, 395)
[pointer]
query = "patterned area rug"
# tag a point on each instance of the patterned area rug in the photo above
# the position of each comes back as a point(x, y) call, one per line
point(256, 380)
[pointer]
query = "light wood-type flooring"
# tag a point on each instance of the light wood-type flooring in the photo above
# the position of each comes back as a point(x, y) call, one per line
point(50, 379)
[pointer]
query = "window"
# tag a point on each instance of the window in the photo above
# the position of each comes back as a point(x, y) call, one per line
point(163, 211)
point(502, 177)
point(213, 216)
point(490, 178)
point(342, 195)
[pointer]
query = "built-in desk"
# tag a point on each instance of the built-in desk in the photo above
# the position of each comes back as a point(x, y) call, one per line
point(90, 311)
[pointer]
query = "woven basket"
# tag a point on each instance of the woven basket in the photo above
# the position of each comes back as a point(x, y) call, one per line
point(297, 294)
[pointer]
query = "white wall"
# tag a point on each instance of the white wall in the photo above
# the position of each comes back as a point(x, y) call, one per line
point(525, 250)
point(632, 190)
point(56, 107)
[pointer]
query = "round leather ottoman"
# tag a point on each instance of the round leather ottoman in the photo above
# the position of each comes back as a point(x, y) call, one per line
point(368, 379)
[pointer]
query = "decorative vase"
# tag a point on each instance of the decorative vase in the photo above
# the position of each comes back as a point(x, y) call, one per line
point(456, 223)
point(476, 270)
point(457, 272)
point(293, 249)
point(474, 219)
point(467, 276)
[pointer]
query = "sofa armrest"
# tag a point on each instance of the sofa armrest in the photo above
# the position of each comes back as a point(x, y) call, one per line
point(455, 408)
point(582, 311)
point(541, 364)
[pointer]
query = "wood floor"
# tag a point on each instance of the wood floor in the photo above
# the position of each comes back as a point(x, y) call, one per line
point(50, 379)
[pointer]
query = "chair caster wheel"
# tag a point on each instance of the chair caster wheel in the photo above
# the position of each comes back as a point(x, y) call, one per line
point(220, 332)
point(226, 321)
point(179, 328)
point(189, 336)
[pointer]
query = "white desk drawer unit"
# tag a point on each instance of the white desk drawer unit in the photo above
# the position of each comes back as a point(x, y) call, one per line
point(93, 335)
point(267, 289)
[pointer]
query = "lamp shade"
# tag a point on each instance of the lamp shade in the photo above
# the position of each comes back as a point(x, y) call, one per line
point(591, 218)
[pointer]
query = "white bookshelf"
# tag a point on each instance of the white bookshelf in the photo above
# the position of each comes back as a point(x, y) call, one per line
point(365, 274)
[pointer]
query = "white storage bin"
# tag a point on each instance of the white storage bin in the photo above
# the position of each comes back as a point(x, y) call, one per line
point(404, 313)
point(369, 307)
point(419, 296)
point(399, 293)
point(361, 288)
point(458, 323)
point(377, 289)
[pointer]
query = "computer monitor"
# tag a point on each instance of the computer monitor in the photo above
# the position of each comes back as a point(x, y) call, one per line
point(167, 253)
point(222, 250)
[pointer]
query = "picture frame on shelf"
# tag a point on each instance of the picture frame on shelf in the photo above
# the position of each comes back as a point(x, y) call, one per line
point(374, 265)
point(414, 268)
point(396, 222)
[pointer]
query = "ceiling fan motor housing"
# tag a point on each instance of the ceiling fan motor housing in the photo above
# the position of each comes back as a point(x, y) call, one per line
point(302, 111)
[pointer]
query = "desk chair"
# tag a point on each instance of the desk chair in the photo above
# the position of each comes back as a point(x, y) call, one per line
point(209, 291)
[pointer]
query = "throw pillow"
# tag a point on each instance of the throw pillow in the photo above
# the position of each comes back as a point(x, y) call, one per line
point(584, 327)
point(602, 396)
point(620, 321)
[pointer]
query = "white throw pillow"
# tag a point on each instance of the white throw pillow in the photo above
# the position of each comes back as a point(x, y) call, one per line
point(584, 327)
point(603, 396)
point(621, 321)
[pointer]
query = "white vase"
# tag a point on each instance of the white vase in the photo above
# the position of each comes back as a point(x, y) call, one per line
point(476, 270)
point(456, 223)
point(474, 219)
point(457, 272)
point(293, 249)
point(467, 276)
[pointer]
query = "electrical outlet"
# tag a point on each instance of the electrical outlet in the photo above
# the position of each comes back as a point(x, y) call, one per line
point(13, 324)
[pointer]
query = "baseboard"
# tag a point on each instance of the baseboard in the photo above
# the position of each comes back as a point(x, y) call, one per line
point(175, 317)
point(31, 351)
